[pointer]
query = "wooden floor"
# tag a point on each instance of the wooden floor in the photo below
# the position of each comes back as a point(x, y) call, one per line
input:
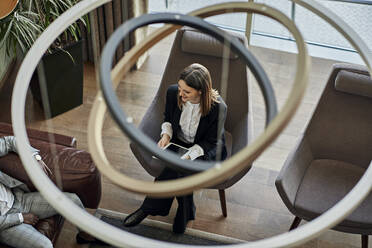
point(255, 210)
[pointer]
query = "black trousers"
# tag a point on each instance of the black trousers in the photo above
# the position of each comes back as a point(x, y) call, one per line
point(161, 206)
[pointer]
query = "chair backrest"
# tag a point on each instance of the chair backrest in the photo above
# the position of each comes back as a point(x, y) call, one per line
point(192, 46)
point(341, 128)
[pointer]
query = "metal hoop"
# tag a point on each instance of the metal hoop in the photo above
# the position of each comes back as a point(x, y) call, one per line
point(121, 238)
point(229, 167)
point(126, 123)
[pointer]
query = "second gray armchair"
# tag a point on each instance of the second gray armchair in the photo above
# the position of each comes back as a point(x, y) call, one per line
point(333, 153)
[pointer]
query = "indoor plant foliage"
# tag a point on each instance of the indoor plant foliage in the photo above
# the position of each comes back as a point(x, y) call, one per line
point(61, 67)
point(30, 18)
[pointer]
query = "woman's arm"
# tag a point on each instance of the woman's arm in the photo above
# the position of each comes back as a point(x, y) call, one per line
point(210, 141)
point(166, 128)
point(170, 103)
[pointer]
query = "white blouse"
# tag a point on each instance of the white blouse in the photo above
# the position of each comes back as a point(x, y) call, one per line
point(189, 122)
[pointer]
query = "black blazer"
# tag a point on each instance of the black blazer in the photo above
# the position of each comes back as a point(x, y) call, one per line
point(206, 134)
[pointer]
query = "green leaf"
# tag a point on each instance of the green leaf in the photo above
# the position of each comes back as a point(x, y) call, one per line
point(6, 35)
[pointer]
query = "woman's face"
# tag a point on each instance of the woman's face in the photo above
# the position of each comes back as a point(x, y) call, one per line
point(188, 93)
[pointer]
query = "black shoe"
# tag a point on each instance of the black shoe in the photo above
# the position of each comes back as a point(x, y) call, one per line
point(179, 224)
point(134, 218)
point(81, 240)
point(179, 228)
point(180, 221)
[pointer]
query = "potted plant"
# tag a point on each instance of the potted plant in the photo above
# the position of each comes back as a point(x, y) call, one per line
point(62, 65)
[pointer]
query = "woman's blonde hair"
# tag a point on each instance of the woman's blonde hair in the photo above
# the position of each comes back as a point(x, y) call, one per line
point(198, 77)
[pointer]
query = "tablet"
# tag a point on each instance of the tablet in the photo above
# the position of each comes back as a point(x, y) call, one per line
point(180, 150)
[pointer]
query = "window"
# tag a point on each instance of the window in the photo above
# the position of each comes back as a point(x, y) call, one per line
point(324, 40)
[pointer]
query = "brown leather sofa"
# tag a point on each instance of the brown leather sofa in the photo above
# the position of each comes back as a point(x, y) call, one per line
point(78, 172)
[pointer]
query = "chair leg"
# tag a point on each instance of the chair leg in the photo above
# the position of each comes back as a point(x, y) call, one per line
point(364, 241)
point(223, 202)
point(295, 223)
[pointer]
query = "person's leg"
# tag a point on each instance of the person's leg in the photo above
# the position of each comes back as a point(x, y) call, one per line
point(185, 213)
point(152, 206)
point(160, 206)
point(24, 235)
point(35, 203)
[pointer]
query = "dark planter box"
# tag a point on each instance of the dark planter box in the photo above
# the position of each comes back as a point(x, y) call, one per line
point(64, 80)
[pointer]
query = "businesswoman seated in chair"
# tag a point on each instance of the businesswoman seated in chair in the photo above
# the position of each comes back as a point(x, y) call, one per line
point(192, 112)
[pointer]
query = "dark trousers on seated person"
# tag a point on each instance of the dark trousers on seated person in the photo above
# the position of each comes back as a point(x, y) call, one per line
point(161, 206)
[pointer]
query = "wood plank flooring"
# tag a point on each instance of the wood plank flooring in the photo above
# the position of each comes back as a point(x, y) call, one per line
point(255, 210)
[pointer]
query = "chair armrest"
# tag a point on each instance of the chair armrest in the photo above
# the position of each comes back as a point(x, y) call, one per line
point(78, 174)
point(241, 134)
point(290, 176)
point(151, 126)
point(152, 120)
point(60, 139)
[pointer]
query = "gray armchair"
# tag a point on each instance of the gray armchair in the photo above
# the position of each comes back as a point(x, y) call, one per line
point(333, 153)
point(191, 46)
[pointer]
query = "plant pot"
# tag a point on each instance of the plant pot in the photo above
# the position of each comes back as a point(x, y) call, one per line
point(64, 80)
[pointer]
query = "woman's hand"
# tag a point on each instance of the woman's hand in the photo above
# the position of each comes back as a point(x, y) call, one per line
point(164, 140)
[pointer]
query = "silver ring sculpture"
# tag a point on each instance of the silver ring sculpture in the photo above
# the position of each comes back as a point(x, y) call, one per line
point(121, 238)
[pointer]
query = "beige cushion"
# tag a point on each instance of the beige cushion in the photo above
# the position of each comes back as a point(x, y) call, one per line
point(354, 83)
point(199, 43)
point(326, 182)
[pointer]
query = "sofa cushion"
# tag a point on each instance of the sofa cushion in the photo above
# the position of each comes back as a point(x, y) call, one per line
point(326, 182)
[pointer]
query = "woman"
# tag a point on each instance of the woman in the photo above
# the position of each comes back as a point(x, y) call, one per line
point(192, 115)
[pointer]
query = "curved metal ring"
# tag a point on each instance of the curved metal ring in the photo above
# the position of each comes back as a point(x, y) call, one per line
point(229, 167)
point(125, 123)
point(121, 238)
